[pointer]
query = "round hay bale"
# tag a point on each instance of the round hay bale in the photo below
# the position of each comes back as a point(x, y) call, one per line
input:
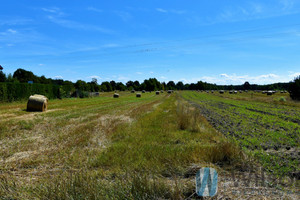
point(162, 91)
point(221, 91)
point(143, 91)
point(37, 103)
point(157, 92)
point(169, 91)
point(132, 91)
point(138, 95)
point(40, 96)
point(116, 95)
point(269, 92)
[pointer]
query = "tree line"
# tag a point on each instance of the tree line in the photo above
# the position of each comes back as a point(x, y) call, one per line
point(81, 88)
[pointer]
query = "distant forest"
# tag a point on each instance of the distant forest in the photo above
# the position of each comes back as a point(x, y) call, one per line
point(57, 88)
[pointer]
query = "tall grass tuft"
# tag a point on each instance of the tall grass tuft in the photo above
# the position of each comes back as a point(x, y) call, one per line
point(188, 118)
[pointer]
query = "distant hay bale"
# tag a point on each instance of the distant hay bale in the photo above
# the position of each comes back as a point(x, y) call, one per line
point(37, 103)
point(270, 92)
point(157, 92)
point(143, 91)
point(132, 91)
point(162, 91)
point(235, 92)
point(138, 95)
point(169, 91)
point(116, 95)
point(221, 91)
point(230, 92)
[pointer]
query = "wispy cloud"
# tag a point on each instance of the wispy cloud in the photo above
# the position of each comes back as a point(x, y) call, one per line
point(161, 10)
point(287, 4)
point(15, 21)
point(173, 11)
point(79, 26)
point(125, 16)
point(54, 10)
point(94, 9)
point(110, 45)
point(8, 32)
point(254, 10)
point(57, 16)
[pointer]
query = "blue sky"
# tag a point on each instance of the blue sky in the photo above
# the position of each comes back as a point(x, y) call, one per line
point(223, 42)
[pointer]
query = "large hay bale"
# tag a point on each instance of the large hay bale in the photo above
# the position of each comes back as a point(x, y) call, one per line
point(157, 92)
point(116, 95)
point(143, 91)
point(221, 91)
point(37, 103)
point(132, 91)
point(138, 95)
point(169, 91)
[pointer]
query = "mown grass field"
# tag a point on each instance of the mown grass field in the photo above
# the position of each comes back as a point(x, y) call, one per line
point(263, 125)
point(137, 148)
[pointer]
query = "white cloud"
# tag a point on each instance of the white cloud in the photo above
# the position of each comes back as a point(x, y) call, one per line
point(94, 76)
point(12, 31)
point(161, 10)
point(227, 79)
point(123, 78)
point(58, 77)
point(139, 73)
point(162, 77)
point(294, 74)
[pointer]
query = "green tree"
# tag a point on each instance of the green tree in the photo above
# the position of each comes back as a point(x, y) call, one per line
point(294, 89)
point(129, 84)
point(171, 85)
point(80, 85)
point(2, 76)
point(120, 86)
point(106, 86)
point(180, 85)
point(136, 85)
point(24, 76)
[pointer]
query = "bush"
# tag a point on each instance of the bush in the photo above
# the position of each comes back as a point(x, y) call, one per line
point(19, 91)
point(294, 89)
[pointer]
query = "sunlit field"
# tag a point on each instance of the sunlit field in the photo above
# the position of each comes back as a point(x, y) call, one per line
point(149, 147)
